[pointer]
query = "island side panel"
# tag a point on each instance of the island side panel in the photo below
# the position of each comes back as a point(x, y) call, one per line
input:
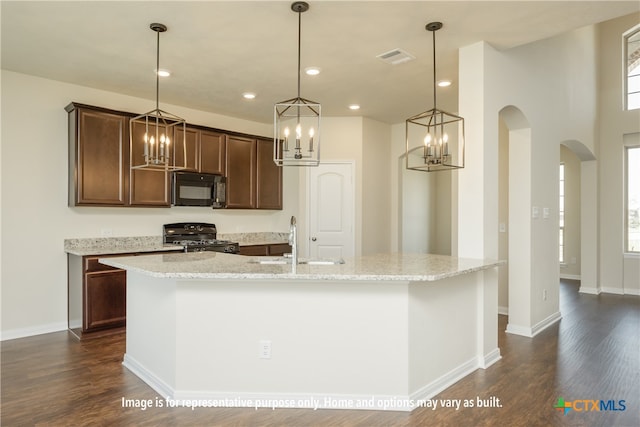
point(443, 333)
point(489, 352)
point(151, 330)
point(331, 338)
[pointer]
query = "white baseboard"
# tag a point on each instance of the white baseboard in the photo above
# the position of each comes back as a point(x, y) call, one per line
point(445, 381)
point(544, 324)
point(404, 403)
point(635, 292)
point(588, 290)
point(570, 276)
point(162, 388)
point(490, 358)
point(531, 332)
point(13, 334)
point(503, 310)
point(608, 290)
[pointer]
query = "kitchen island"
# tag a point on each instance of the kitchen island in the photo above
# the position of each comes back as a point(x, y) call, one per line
point(383, 331)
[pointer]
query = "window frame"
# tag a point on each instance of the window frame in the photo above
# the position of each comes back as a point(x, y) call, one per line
point(625, 72)
point(561, 212)
point(627, 148)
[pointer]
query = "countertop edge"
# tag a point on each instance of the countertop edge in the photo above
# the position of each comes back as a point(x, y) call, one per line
point(487, 264)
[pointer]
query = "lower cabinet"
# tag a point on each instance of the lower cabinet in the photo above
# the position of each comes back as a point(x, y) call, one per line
point(97, 296)
point(276, 249)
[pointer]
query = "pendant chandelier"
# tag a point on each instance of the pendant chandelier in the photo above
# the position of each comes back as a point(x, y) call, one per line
point(435, 138)
point(154, 136)
point(296, 140)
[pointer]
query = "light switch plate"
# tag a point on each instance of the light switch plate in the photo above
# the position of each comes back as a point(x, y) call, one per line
point(535, 212)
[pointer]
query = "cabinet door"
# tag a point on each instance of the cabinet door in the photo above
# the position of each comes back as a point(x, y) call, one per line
point(254, 250)
point(98, 158)
point(279, 249)
point(105, 300)
point(269, 177)
point(148, 187)
point(212, 152)
point(191, 142)
point(241, 172)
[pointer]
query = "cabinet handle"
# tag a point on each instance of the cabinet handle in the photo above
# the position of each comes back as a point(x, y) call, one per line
point(313, 239)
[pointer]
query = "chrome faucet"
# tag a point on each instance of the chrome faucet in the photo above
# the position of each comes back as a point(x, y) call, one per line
point(293, 241)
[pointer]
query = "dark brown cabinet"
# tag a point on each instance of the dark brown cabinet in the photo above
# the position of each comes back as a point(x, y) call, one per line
point(206, 150)
point(213, 152)
point(254, 181)
point(100, 160)
point(97, 295)
point(269, 177)
point(241, 172)
point(148, 187)
point(98, 157)
point(275, 249)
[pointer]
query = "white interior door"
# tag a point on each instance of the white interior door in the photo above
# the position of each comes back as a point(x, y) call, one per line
point(331, 211)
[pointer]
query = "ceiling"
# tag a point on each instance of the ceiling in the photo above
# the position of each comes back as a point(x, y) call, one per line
point(216, 50)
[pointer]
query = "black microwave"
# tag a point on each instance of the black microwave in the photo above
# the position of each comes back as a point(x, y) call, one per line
point(198, 189)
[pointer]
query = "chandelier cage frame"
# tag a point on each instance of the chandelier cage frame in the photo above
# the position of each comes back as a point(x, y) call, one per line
point(435, 139)
point(156, 148)
point(299, 118)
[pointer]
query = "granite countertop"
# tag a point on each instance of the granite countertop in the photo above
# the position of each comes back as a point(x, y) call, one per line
point(215, 265)
point(117, 245)
point(255, 238)
point(124, 245)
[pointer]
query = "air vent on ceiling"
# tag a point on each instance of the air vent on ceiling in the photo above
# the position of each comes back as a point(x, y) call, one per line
point(396, 56)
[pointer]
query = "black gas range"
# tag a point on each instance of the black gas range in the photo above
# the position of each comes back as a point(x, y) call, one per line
point(197, 237)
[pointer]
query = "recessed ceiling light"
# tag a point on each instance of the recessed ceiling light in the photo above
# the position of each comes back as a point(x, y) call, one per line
point(444, 83)
point(248, 95)
point(354, 107)
point(164, 73)
point(312, 71)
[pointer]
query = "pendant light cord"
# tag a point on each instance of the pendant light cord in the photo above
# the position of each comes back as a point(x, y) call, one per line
point(299, 36)
point(434, 69)
point(158, 70)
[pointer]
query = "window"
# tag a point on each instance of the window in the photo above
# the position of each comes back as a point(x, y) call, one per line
point(561, 214)
point(632, 67)
point(632, 168)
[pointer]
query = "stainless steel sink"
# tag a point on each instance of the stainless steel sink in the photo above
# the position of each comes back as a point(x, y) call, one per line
point(321, 261)
point(286, 260)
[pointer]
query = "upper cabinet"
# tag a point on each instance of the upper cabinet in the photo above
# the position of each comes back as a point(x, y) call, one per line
point(100, 159)
point(206, 150)
point(241, 173)
point(147, 187)
point(254, 181)
point(269, 177)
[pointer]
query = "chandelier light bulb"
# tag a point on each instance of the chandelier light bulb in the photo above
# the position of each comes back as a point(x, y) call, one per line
point(427, 139)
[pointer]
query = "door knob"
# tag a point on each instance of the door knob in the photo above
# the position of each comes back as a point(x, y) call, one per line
point(313, 239)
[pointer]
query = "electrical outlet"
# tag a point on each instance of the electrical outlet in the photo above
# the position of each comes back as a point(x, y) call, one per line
point(544, 295)
point(264, 349)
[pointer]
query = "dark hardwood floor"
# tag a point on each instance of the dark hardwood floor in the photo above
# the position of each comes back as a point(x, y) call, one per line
point(592, 354)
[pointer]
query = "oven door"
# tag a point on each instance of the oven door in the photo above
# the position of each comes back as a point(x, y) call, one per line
point(193, 189)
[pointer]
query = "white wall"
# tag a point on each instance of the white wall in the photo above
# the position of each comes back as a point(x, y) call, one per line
point(376, 179)
point(553, 84)
point(35, 215)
